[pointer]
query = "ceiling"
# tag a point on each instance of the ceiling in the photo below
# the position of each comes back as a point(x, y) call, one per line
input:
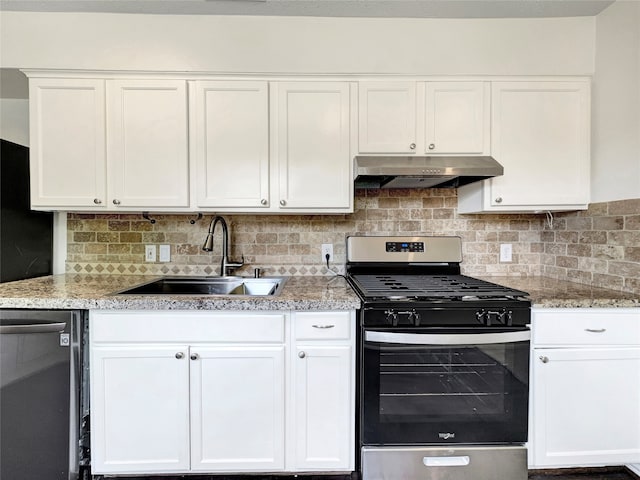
point(325, 8)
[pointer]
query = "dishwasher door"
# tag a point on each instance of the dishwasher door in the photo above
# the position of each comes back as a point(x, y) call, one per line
point(39, 392)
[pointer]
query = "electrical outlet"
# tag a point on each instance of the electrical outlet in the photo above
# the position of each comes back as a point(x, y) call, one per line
point(149, 253)
point(327, 249)
point(165, 253)
point(506, 250)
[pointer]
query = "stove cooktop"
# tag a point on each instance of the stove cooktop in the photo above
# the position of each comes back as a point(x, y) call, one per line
point(430, 287)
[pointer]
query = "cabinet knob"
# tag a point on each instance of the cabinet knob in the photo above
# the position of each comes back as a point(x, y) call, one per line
point(544, 359)
point(97, 201)
point(302, 354)
point(283, 202)
point(412, 146)
point(179, 355)
point(264, 201)
point(432, 146)
point(499, 200)
point(194, 356)
point(116, 201)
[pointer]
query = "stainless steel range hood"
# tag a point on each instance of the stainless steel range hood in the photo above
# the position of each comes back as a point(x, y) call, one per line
point(422, 171)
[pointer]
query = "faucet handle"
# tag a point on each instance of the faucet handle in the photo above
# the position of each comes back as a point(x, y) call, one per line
point(235, 264)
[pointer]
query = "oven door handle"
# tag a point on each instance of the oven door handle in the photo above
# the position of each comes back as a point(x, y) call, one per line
point(447, 338)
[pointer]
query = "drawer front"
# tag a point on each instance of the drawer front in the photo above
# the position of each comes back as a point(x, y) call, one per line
point(586, 326)
point(322, 325)
point(183, 326)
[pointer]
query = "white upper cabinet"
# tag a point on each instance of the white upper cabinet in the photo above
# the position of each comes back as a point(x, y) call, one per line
point(147, 143)
point(457, 117)
point(540, 134)
point(434, 118)
point(68, 158)
point(311, 145)
point(231, 134)
point(109, 144)
point(387, 117)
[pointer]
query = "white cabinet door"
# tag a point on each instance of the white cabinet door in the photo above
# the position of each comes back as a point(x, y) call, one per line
point(313, 146)
point(387, 117)
point(147, 143)
point(322, 376)
point(586, 406)
point(139, 409)
point(237, 408)
point(457, 118)
point(540, 134)
point(231, 144)
point(68, 157)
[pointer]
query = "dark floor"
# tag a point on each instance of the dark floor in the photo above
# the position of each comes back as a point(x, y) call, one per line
point(614, 473)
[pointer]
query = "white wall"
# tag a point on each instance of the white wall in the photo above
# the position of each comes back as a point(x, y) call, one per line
point(616, 104)
point(14, 120)
point(542, 46)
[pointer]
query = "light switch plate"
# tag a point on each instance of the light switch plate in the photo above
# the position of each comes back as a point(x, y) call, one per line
point(165, 253)
point(506, 251)
point(149, 253)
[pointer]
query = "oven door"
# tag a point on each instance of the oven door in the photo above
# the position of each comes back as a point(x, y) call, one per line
point(455, 386)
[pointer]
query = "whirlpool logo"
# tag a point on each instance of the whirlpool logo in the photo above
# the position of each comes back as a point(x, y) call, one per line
point(447, 435)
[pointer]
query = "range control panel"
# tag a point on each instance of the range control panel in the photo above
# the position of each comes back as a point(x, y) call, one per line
point(413, 247)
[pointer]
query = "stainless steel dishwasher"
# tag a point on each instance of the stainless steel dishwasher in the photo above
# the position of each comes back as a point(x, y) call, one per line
point(39, 394)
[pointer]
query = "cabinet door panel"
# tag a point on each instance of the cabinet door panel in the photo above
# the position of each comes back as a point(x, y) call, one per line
point(140, 409)
point(148, 143)
point(323, 413)
point(237, 409)
point(67, 155)
point(540, 135)
point(387, 117)
point(457, 118)
point(232, 144)
point(586, 406)
point(314, 163)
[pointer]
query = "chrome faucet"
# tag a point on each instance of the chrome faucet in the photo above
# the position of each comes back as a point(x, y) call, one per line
point(208, 245)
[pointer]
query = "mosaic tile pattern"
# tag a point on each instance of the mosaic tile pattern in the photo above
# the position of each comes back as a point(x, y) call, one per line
point(290, 244)
point(599, 247)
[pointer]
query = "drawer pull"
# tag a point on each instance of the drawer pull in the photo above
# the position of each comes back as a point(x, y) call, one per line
point(544, 359)
point(595, 330)
point(323, 326)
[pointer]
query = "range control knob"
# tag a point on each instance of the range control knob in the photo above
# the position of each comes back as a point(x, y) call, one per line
point(414, 318)
point(392, 317)
point(481, 316)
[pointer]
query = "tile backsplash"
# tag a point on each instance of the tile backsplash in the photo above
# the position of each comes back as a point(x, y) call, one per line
point(600, 246)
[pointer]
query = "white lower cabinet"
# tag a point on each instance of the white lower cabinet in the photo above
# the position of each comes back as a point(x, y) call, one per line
point(585, 387)
point(323, 383)
point(197, 392)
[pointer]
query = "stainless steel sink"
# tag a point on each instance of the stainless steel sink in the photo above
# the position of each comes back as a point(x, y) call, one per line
point(233, 286)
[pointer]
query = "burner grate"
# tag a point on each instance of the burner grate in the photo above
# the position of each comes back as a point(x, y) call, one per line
point(432, 286)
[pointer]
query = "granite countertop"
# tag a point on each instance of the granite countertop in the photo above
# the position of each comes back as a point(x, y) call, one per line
point(85, 292)
point(547, 292)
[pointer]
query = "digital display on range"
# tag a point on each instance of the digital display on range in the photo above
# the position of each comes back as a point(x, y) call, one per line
point(405, 246)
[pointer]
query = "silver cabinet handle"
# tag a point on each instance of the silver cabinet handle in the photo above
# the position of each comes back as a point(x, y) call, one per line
point(432, 146)
point(97, 201)
point(595, 330)
point(283, 202)
point(323, 326)
point(116, 201)
point(412, 146)
point(263, 201)
point(499, 200)
point(194, 356)
point(302, 354)
point(544, 359)
point(179, 355)
point(444, 339)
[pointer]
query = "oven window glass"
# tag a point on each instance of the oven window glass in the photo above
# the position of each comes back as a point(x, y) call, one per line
point(438, 394)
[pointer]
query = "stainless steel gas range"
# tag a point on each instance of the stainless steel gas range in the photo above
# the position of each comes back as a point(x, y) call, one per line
point(443, 364)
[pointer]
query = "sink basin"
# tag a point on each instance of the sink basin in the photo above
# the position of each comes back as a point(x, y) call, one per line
point(235, 286)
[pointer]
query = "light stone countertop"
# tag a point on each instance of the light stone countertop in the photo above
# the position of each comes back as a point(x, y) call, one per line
point(87, 292)
point(547, 292)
